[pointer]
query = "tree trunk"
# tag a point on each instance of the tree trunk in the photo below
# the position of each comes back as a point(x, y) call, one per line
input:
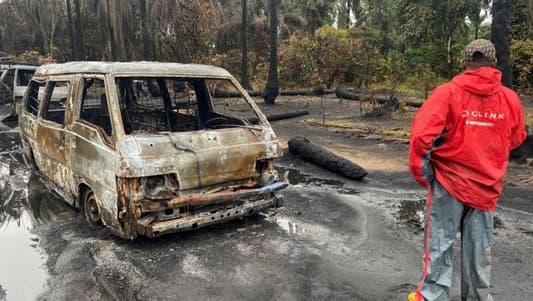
point(501, 18)
point(280, 116)
point(348, 10)
point(74, 47)
point(356, 7)
point(79, 31)
point(272, 86)
point(315, 153)
point(111, 32)
point(244, 39)
point(144, 31)
point(449, 55)
point(530, 19)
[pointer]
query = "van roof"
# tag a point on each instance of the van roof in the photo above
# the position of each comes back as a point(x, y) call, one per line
point(4, 66)
point(134, 68)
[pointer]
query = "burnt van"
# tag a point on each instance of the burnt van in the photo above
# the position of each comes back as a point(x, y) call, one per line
point(149, 148)
point(14, 79)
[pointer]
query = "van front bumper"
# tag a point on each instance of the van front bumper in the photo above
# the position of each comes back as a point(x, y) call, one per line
point(229, 205)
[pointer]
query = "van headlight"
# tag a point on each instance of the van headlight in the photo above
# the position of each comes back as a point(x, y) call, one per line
point(160, 187)
point(267, 174)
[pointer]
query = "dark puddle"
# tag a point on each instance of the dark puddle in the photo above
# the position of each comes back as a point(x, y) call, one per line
point(411, 212)
point(24, 204)
point(297, 177)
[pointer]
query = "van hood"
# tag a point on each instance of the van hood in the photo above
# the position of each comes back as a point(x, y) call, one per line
point(199, 158)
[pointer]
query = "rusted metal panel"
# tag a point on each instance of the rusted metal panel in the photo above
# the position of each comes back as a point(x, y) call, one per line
point(199, 158)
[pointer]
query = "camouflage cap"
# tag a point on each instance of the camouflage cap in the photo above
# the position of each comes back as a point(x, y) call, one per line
point(482, 46)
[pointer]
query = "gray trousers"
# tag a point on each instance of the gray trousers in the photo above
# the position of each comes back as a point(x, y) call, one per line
point(444, 217)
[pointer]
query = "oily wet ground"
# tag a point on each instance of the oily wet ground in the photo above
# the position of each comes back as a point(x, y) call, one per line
point(335, 239)
point(24, 204)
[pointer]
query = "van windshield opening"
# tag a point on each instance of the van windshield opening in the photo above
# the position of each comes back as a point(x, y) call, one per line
point(164, 104)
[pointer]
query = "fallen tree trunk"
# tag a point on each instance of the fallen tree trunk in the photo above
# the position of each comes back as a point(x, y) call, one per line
point(281, 116)
point(390, 106)
point(316, 92)
point(315, 153)
point(287, 115)
point(342, 92)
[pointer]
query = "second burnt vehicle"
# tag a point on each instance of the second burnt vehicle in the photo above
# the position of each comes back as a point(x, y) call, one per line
point(150, 148)
point(14, 78)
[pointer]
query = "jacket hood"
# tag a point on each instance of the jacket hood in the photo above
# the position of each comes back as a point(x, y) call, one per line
point(482, 81)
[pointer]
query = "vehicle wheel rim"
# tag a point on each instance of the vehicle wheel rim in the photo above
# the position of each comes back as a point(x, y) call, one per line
point(92, 212)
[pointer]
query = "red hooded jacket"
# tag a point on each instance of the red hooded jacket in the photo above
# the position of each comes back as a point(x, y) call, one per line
point(466, 129)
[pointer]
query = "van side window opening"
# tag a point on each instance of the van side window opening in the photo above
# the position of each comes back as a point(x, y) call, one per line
point(162, 104)
point(94, 108)
point(227, 101)
point(24, 77)
point(153, 105)
point(56, 101)
point(35, 91)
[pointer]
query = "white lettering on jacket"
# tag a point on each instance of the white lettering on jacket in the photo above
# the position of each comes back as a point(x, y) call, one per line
point(486, 116)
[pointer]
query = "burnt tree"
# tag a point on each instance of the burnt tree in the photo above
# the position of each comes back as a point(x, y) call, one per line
point(244, 40)
point(501, 18)
point(272, 86)
point(144, 31)
point(111, 32)
point(79, 31)
point(74, 47)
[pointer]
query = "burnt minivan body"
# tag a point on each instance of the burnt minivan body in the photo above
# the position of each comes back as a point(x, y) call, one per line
point(150, 148)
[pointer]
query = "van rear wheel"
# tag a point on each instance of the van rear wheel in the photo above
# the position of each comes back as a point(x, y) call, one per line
point(91, 209)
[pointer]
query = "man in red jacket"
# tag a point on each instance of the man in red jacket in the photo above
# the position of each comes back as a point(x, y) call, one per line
point(460, 143)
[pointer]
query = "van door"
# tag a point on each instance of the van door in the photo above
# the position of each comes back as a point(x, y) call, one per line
point(52, 137)
point(28, 118)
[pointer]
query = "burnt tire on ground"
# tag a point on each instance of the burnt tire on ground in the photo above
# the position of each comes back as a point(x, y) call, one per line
point(90, 208)
point(314, 153)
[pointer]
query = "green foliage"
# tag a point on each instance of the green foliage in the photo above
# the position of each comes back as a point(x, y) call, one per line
point(297, 64)
point(399, 44)
point(522, 20)
point(331, 56)
point(522, 65)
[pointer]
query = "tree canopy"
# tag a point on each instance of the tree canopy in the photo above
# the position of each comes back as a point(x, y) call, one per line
point(321, 43)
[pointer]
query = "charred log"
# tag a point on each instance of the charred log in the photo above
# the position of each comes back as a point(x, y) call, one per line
point(316, 92)
point(390, 106)
point(344, 93)
point(315, 153)
point(281, 116)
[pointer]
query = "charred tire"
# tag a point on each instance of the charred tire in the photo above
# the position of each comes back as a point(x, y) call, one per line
point(91, 210)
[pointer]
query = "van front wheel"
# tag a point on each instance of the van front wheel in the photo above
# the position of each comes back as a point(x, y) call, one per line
point(90, 208)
